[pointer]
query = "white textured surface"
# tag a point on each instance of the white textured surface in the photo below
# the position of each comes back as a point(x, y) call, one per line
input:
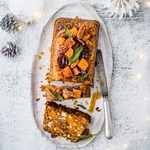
point(130, 91)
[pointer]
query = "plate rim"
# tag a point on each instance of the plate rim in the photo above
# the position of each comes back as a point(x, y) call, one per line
point(86, 6)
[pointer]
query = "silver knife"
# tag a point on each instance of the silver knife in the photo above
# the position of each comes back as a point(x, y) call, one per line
point(104, 91)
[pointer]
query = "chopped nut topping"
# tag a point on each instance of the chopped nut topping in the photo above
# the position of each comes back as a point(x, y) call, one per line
point(76, 71)
point(81, 31)
point(67, 93)
point(69, 52)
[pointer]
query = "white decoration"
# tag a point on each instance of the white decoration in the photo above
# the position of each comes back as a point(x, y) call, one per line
point(124, 8)
point(146, 3)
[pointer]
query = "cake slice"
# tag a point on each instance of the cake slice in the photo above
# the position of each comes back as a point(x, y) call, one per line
point(59, 93)
point(65, 122)
point(73, 50)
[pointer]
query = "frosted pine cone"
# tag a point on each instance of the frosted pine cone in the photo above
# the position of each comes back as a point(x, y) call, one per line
point(10, 50)
point(9, 23)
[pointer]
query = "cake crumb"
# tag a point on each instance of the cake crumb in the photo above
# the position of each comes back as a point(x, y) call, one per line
point(40, 55)
point(37, 99)
point(98, 109)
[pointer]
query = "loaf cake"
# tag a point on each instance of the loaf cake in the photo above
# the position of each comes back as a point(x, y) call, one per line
point(52, 92)
point(62, 121)
point(73, 56)
point(73, 50)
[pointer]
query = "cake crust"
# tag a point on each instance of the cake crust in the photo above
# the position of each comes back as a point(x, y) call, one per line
point(66, 122)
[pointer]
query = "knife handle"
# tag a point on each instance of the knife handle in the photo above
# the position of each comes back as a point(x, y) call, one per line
point(108, 121)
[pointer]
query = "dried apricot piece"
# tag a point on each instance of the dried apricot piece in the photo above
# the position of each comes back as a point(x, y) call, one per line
point(67, 72)
point(83, 64)
point(69, 52)
point(76, 93)
point(69, 42)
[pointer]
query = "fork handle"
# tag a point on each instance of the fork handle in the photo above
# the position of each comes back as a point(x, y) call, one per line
point(108, 121)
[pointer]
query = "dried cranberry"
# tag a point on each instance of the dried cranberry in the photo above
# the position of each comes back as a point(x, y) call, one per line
point(81, 42)
point(83, 73)
point(84, 54)
point(60, 27)
point(87, 92)
point(62, 61)
point(77, 43)
point(76, 46)
point(96, 63)
point(98, 109)
point(86, 132)
point(53, 135)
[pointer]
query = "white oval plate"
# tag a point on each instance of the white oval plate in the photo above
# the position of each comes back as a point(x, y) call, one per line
point(40, 68)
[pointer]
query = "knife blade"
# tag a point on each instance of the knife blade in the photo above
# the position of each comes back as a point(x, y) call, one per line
point(104, 91)
point(102, 75)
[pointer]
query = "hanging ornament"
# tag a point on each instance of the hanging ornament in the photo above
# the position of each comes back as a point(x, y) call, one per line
point(124, 8)
point(11, 23)
point(10, 50)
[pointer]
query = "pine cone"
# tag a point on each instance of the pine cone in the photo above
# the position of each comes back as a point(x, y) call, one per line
point(10, 50)
point(9, 23)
